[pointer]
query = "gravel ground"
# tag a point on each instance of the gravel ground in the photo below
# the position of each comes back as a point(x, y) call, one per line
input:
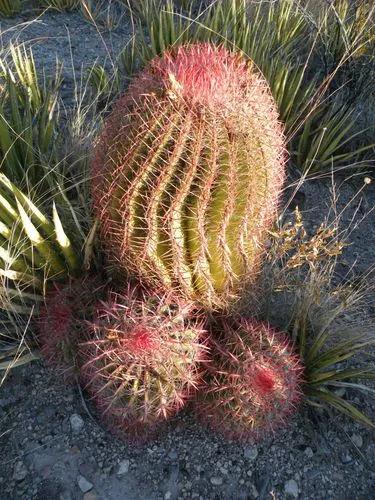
point(51, 448)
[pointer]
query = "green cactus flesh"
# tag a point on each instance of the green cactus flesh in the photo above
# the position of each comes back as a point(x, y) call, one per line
point(188, 172)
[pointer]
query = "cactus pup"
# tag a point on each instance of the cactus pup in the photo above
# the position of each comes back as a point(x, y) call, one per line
point(142, 361)
point(254, 382)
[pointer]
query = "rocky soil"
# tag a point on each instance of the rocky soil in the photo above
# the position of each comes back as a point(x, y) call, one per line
point(52, 448)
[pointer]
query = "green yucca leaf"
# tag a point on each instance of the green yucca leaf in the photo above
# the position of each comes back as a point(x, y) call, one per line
point(28, 117)
point(41, 245)
point(337, 375)
point(65, 244)
point(60, 5)
point(10, 7)
point(340, 404)
point(32, 247)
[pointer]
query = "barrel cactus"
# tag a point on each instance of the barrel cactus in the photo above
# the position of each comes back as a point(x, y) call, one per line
point(187, 174)
point(255, 381)
point(142, 360)
point(59, 321)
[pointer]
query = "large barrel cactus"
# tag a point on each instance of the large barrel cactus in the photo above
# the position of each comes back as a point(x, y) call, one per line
point(188, 171)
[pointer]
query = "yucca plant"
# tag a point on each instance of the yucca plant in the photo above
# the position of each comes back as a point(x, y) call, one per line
point(106, 14)
point(10, 7)
point(188, 172)
point(347, 30)
point(34, 247)
point(326, 140)
point(28, 118)
point(60, 5)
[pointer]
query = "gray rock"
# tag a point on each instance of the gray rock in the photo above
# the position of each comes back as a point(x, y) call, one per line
point(90, 495)
point(76, 423)
point(84, 485)
point(250, 452)
point(291, 488)
point(20, 472)
point(216, 481)
point(308, 452)
point(123, 467)
point(357, 440)
point(346, 458)
point(173, 455)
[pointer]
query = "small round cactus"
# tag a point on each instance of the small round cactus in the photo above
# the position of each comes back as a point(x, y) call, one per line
point(59, 319)
point(255, 381)
point(188, 172)
point(142, 361)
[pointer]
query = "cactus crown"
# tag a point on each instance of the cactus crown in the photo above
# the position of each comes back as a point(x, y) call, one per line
point(255, 382)
point(187, 174)
point(142, 361)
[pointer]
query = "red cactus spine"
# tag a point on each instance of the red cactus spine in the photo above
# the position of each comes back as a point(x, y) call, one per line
point(188, 172)
point(59, 319)
point(255, 381)
point(142, 361)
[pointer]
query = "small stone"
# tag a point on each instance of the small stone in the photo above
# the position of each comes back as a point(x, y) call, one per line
point(254, 491)
point(20, 472)
point(341, 391)
point(357, 440)
point(250, 452)
point(84, 484)
point(76, 423)
point(346, 458)
point(65, 495)
point(291, 488)
point(90, 495)
point(216, 481)
point(168, 495)
point(308, 452)
point(123, 467)
point(173, 455)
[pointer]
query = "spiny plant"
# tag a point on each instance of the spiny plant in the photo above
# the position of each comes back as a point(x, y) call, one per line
point(270, 33)
point(322, 311)
point(106, 14)
point(10, 7)
point(188, 172)
point(60, 5)
point(254, 380)
point(33, 246)
point(28, 117)
point(59, 320)
point(347, 30)
point(142, 361)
